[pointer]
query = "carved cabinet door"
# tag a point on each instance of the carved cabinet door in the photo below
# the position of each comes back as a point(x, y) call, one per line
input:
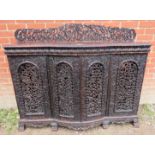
point(64, 86)
point(94, 85)
point(31, 87)
point(126, 81)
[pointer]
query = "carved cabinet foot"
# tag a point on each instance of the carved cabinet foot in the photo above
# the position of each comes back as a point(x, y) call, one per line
point(136, 123)
point(105, 124)
point(54, 126)
point(21, 127)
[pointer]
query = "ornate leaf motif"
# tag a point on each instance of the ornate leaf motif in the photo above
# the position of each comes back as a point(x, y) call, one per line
point(126, 86)
point(31, 86)
point(77, 32)
point(65, 90)
point(94, 89)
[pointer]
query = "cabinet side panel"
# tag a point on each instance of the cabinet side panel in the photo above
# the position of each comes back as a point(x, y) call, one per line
point(31, 87)
point(127, 72)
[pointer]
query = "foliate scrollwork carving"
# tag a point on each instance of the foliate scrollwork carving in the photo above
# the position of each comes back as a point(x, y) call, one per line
point(31, 85)
point(126, 86)
point(94, 89)
point(64, 90)
point(77, 32)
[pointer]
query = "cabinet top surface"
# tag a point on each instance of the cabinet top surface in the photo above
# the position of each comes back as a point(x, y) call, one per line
point(74, 45)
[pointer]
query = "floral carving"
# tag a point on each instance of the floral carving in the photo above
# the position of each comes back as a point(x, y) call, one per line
point(94, 89)
point(31, 85)
point(65, 90)
point(77, 32)
point(126, 86)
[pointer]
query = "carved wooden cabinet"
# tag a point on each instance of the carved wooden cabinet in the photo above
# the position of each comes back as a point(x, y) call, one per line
point(77, 84)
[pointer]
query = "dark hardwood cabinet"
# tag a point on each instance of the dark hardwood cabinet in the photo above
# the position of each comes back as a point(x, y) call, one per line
point(77, 84)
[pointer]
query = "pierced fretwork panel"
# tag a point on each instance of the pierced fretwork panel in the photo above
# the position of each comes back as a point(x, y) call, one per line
point(65, 90)
point(94, 89)
point(31, 86)
point(126, 86)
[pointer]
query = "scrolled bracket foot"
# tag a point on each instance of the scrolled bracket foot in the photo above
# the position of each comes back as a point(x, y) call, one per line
point(135, 123)
point(105, 124)
point(54, 126)
point(21, 127)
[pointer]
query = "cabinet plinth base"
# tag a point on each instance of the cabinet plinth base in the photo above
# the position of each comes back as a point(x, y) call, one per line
point(54, 123)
